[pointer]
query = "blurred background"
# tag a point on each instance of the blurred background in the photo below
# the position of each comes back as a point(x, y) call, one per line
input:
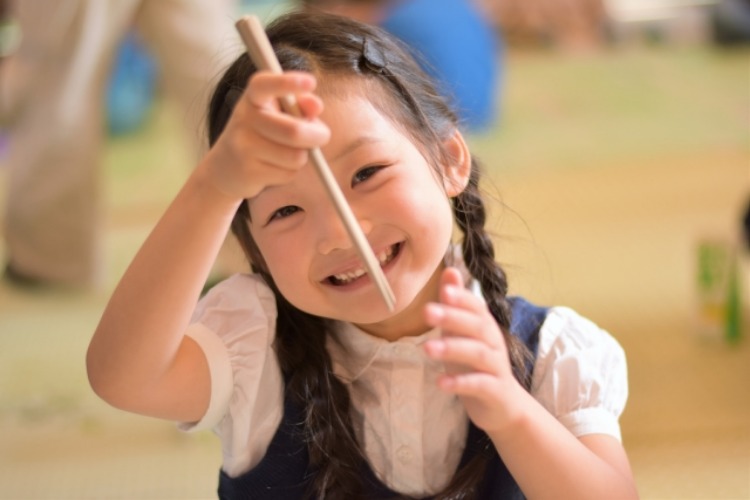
point(619, 160)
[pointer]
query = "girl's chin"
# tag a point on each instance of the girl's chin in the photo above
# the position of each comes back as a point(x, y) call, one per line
point(407, 318)
point(373, 315)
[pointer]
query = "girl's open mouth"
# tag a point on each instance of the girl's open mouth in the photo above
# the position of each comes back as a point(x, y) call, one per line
point(384, 257)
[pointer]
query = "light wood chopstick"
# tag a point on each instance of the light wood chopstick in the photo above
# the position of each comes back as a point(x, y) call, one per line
point(259, 48)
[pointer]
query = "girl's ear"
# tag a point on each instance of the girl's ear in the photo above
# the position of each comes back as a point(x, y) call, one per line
point(457, 170)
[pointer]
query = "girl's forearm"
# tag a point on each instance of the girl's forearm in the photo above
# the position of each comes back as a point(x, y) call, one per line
point(547, 461)
point(142, 327)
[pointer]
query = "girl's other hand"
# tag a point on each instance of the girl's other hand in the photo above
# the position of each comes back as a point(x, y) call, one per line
point(474, 352)
point(262, 145)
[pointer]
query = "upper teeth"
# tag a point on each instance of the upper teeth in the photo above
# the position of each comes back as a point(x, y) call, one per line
point(383, 257)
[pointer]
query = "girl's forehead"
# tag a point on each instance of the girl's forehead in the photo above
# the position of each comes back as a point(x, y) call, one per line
point(342, 86)
point(351, 99)
point(361, 92)
point(353, 116)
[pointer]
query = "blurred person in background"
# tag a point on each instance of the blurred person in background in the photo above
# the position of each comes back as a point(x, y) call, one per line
point(568, 24)
point(52, 108)
point(453, 40)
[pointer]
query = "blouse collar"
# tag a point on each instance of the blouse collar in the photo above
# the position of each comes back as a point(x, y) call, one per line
point(353, 350)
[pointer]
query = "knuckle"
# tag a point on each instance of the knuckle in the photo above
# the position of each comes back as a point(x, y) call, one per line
point(482, 384)
point(291, 129)
point(485, 357)
point(294, 130)
point(471, 383)
point(323, 132)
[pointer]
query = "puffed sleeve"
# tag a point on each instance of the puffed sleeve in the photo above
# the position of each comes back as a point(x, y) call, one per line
point(580, 374)
point(234, 324)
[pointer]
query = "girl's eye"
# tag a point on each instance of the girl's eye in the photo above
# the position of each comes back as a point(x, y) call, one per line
point(283, 212)
point(365, 173)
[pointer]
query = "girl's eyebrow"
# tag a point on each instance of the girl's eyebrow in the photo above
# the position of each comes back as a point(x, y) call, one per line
point(357, 143)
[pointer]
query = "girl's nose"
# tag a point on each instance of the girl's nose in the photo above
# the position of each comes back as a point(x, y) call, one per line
point(334, 236)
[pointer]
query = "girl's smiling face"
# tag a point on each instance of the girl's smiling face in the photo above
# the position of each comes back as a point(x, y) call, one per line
point(399, 200)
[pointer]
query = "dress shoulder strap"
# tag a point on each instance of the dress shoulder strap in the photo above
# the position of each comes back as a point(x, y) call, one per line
point(526, 321)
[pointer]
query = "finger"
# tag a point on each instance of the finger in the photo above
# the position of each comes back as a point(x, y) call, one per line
point(288, 130)
point(458, 296)
point(265, 88)
point(468, 353)
point(476, 385)
point(451, 276)
point(263, 114)
point(464, 323)
point(453, 320)
point(273, 175)
point(310, 104)
point(278, 155)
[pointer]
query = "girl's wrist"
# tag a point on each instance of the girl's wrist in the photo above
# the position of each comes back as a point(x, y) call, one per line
point(202, 186)
point(516, 414)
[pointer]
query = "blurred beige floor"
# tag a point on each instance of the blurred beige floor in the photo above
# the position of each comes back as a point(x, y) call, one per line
point(610, 166)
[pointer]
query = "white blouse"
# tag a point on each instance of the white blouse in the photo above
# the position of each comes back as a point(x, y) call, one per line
point(413, 434)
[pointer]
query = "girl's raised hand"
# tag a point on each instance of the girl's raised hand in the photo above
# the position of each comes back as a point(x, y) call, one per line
point(474, 352)
point(262, 145)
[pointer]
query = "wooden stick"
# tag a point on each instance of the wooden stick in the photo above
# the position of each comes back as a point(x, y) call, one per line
point(262, 54)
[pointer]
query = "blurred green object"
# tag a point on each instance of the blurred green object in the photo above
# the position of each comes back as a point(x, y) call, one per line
point(10, 36)
point(733, 321)
point(719, 294)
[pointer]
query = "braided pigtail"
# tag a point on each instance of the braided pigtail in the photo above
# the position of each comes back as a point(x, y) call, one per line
point(335, 456)
point(479, 256)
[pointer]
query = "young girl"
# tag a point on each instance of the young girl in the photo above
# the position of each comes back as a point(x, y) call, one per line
point(314, 387)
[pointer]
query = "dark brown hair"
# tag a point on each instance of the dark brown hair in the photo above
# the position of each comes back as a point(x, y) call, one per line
point(335, 47)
